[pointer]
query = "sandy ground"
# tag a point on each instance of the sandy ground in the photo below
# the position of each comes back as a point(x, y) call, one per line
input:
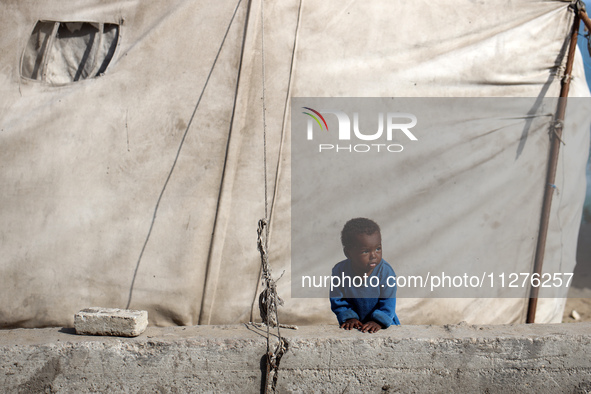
point(579, 294)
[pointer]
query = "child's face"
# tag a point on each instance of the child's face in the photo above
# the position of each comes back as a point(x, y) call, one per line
point(366, 253)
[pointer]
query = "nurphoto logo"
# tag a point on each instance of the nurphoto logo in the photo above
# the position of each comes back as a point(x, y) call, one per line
point(395, 123)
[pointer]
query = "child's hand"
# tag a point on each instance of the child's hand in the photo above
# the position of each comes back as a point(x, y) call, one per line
point(371, 327)
point(351, 323)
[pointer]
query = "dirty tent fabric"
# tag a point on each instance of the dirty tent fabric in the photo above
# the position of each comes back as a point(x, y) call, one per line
point(132, 176)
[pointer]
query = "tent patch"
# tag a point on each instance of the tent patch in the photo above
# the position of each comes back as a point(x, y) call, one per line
point(63, 52)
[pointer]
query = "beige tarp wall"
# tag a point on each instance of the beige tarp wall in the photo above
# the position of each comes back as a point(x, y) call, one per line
point(115, 191)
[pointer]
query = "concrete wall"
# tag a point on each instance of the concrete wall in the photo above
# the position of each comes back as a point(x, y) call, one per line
point(552, 358)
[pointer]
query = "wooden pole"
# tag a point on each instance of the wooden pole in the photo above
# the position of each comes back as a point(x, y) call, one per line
point(556, 139)
point(585, 19)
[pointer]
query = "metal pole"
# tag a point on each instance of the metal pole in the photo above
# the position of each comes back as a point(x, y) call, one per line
point(556, 139)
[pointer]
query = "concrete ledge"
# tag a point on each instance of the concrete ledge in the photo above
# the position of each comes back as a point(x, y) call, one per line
point(509, 358)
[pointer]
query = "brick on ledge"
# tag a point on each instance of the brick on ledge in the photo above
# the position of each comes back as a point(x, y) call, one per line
point(110, 321)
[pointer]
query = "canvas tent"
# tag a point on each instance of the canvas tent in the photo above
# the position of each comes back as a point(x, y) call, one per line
point(142, 186)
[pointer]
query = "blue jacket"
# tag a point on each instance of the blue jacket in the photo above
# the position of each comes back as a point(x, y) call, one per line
point(377, 303)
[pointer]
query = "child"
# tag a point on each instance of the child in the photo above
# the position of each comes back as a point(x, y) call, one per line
point(365, 298)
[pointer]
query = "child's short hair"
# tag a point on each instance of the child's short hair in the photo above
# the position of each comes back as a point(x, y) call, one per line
point(357, 226)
